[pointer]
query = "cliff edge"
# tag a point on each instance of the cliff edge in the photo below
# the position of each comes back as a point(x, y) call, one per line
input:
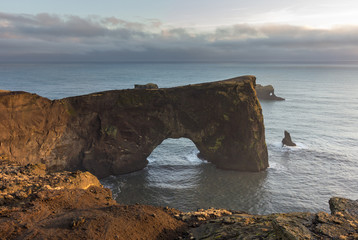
point(113, 132)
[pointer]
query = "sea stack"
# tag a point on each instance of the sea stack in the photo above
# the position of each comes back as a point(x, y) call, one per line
point(287, 140)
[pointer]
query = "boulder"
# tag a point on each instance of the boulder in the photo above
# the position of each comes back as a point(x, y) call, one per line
point(287, 140)
point(113, 132)
point(267, 93)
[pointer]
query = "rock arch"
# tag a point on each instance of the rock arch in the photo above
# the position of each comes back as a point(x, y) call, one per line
point(113, 132)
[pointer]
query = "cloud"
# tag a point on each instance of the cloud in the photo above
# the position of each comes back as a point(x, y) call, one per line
point(94, 38)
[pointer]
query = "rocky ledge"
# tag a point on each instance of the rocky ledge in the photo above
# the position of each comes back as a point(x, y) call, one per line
point(113, 132)
point(35, 204)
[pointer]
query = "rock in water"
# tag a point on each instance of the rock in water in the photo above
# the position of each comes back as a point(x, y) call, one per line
point(113, 132)
point(287, 140)
point(267, 93)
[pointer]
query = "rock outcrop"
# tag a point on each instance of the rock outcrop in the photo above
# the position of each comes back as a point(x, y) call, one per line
point(287, 140)
point(224, 224)
point(113, 132)
point(146, 86)
point(267, 93)
point(73, 205)
point(35, 204)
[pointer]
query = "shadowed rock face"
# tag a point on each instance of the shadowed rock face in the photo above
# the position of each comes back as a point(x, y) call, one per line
point(287, 140)
point(146, 86)
point(267, 93)
point(113, 132)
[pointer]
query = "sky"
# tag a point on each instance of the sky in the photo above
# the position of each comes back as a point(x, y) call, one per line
point(173, 30)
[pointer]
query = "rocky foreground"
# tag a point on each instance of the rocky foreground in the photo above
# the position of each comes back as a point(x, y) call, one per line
point(35, 204)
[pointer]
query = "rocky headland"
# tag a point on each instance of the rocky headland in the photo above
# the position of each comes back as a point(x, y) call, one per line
point(113, 132)
point(36, 204)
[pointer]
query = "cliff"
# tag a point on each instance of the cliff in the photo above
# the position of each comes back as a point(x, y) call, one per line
point(113, 132)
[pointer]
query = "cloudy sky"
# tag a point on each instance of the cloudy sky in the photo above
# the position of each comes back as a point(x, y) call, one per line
point(173, 30)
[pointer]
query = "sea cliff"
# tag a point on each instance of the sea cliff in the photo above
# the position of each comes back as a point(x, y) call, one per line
point(113, 132)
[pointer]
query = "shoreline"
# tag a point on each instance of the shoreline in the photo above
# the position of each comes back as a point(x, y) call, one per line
point(37, 204)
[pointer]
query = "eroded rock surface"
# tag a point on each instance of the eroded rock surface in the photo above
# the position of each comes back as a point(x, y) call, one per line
point(146, 86)
point(267, 93)
point(113, 132)
point(35, 204)
point(73, 205)
point(287, 140)
point(224, 224)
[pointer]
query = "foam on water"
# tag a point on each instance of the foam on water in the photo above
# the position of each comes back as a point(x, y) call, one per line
point(193, 158)
point(277, 146)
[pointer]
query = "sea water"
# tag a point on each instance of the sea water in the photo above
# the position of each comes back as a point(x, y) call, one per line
point(320, 112)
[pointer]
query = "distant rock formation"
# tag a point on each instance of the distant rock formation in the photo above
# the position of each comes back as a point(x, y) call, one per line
point(146, 86)
point(267, 93)
point(113, 132)
point(287, 140)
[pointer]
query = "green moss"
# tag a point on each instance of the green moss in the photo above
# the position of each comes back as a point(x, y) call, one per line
point(218, 144)
point(71, 110)
point(110, 131)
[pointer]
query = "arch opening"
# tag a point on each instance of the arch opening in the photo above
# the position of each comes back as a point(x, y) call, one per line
point(175, 152)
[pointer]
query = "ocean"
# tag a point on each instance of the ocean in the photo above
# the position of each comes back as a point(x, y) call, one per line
point(320, 112)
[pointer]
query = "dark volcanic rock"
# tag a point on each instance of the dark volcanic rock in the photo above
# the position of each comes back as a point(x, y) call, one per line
point(267, 93)
point(113, 132)
point(287, 140)
point(224, 224)
point(146, 86)
point(344, 206)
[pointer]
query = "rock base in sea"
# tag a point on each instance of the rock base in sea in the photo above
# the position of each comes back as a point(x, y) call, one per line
point(267, 93)
point(35, 204)
point(287, 140)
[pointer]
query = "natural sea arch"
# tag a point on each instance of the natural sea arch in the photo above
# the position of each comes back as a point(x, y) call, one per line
point(114, 132)
point(173, 151)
